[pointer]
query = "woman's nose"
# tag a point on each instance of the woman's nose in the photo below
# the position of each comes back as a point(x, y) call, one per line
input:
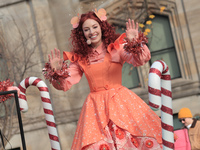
point(91, 31)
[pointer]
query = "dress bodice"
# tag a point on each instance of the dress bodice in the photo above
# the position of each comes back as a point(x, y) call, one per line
point(108, 98)
point(104, 70)
point(104, 75)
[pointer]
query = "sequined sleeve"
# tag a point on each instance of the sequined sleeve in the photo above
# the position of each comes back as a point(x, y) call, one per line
point(123, 51)
point(4, 85)
point(136, 59)
point(75, 74)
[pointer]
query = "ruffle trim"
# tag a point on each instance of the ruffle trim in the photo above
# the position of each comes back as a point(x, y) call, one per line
point(136, 45)
point(118, 138)
point(116, 44)
point(50, 74)
point(73, 57)
point(3, 87)
point(70, 56)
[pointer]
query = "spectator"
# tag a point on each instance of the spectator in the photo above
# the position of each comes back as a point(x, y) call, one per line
point(192, 125)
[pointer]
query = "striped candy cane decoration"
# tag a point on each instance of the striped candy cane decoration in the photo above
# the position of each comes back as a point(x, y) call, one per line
point(44, 92)
point(160, 97)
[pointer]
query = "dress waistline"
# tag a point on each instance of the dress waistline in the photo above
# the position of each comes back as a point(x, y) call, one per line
point(104, 88)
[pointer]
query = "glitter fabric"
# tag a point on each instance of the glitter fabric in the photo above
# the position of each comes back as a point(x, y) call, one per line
point(3, 87)
point(109, 101)
point(119, 139)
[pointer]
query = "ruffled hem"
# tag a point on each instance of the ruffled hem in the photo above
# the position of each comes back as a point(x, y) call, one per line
point(118, 138)
point(100, 107)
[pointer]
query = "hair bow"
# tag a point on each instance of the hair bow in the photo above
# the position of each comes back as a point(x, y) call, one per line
point(101, 14)
point(74, 21)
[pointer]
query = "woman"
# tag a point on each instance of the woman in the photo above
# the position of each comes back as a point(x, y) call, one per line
point(112, 117)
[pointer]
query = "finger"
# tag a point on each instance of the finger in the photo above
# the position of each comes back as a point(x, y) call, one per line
point(61, 61)
point(17, 89)
point(137, 26)
point(133, 24)
point(52, 54)
point(127, 27)
point(58, 52)
point(18, 92)
point(126, 32)
point(49, 58)
point(130, 25)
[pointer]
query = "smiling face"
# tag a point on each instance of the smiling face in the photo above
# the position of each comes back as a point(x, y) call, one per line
point(92, 32)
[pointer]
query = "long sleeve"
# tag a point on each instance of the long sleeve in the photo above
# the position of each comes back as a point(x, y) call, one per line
point(119, 54)
point(75, 74)
point(136, 59)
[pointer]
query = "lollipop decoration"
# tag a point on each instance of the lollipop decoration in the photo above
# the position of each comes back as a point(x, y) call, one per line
point(50, 121)
point(160, 97)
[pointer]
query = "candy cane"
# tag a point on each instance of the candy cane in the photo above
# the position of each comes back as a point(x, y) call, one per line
point(50, 121)
point(160, 93)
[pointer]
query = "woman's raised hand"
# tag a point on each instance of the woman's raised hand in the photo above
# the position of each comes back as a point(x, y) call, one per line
point(55, 60)
point(131, 30)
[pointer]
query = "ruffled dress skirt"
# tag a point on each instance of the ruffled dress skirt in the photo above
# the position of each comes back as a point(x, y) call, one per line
point(117, 119)
point(113, 117)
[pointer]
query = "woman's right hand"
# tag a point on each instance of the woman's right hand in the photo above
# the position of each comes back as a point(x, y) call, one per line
point(55, 60)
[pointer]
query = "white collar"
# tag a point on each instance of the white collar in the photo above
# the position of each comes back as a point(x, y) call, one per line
point(189, 126)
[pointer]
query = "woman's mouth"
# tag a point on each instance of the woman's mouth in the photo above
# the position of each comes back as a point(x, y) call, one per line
point(93, 37)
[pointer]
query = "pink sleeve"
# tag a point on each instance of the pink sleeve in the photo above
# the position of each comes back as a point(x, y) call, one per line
point(65, 84)
point(136, 59)
point(119, 54)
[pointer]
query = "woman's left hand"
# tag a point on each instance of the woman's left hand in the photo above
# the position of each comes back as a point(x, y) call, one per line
point(131, 30)
point(10, 88)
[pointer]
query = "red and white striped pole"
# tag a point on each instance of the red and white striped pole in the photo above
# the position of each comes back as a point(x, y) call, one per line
point(44, 92)
point(160, 97)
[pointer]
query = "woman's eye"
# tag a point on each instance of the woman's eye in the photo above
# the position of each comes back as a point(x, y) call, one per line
point(95, 27)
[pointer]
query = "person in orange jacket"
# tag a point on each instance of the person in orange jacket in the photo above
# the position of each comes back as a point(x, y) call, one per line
point(192, 125)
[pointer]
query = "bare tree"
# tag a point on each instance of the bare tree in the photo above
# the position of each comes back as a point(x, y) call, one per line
point(17, 59)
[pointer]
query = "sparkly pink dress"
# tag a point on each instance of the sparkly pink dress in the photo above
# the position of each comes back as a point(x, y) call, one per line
point(112, 117)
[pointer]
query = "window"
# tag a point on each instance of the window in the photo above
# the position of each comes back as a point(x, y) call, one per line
point(162, 46)
point(177, 124)
point(130, 78)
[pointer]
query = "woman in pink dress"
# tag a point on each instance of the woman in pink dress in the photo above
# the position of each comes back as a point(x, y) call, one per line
point(112, 116)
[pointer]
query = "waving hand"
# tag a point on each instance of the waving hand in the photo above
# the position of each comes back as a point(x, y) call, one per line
point(55, 60)
point(131, 30)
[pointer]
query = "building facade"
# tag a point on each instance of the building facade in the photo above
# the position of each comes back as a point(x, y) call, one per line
point(29, 29)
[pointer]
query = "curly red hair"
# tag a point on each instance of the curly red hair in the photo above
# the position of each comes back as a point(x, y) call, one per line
point(78, 39)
